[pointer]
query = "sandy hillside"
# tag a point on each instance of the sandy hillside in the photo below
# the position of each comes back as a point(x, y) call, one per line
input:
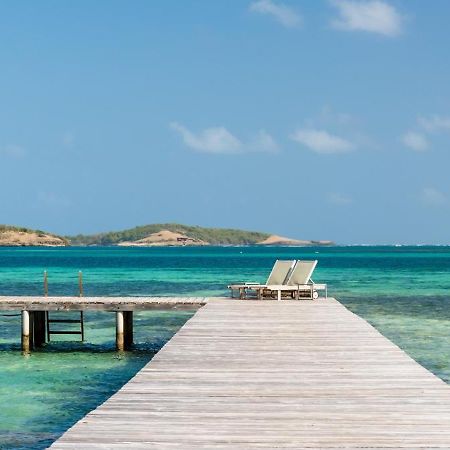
point(164, 238)
point(280, 240)
point(28, 239)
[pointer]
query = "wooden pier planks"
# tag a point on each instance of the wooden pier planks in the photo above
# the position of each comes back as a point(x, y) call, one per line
point(268, 374)
point(36, 303)
point(35, 308)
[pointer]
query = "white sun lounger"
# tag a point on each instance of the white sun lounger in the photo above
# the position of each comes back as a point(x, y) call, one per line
point(278, 276)
point(299, 280)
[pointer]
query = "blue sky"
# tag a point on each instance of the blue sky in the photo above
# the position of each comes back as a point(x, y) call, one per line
point(311, 119)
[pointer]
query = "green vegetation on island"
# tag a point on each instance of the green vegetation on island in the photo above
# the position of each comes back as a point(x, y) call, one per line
point(213, 236)
point(4, 228)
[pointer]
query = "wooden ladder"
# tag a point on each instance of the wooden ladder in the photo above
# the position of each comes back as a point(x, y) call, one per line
point(79, 321)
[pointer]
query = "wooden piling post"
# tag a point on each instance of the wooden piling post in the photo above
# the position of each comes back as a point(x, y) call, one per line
point(38, 328)
point(128, 329)
point(45, 284)
point(80, 288)
point(47, 322)
point(26, 332)
point(124, 330)
point(80, 283)
point(120, 342)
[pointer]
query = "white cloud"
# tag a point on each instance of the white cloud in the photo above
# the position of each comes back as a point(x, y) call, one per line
point(321, 141)
point(435, 123)
point(280, 12)
point(263, 142)
point(220, 140)
point(415, 141)
point(432, 197)
point(330, 117)
point(210, 140)
point(339, 199)
point(13, 151)
point(373, 16)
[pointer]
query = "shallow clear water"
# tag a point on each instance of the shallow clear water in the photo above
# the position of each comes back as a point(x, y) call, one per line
point(43, 394)
point(403, 291)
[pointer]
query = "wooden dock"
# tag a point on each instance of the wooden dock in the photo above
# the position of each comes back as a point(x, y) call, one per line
point(35, 321)
point(36, 303)
point(270, 374)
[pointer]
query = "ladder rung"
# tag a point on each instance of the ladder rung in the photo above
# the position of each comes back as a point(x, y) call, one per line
point(64, 321)
point(64, 332)
point(79, 324)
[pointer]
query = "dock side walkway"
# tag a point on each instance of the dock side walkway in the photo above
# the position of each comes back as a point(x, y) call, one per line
point(268, 374)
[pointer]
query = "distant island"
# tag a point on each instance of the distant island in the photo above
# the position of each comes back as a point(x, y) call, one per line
point(25, 237)
point(154, 235)
point(173, 234)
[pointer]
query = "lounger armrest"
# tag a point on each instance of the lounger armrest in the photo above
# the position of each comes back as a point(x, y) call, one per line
point(244, 285)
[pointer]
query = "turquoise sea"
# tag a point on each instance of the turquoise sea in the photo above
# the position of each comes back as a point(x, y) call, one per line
point(403, 291)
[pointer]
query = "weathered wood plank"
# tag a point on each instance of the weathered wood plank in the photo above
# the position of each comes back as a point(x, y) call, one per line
point(99, 303)
point(267, 374)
